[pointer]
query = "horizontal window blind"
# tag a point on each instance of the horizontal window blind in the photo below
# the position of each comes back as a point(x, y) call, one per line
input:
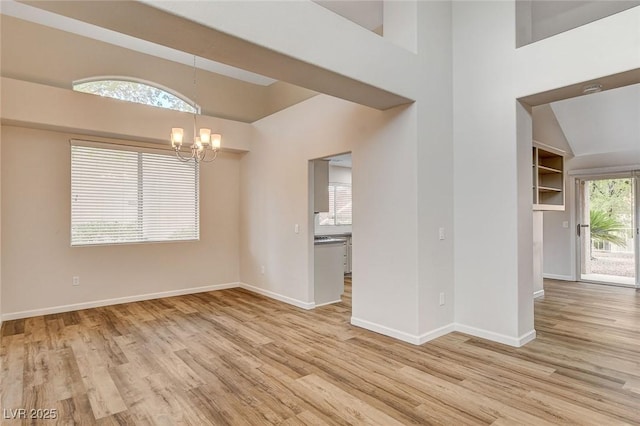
point(342, 200)
point(339, 206)
point(123, 196)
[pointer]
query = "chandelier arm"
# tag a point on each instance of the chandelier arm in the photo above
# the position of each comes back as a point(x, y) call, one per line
point(215, 155)
point(180, 157)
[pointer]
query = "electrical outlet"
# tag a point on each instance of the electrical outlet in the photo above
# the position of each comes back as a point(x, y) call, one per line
point(441, 233)
point(441, 299)
point(76, 281)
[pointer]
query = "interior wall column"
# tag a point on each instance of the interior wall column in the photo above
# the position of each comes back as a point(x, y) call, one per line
point(400, 24)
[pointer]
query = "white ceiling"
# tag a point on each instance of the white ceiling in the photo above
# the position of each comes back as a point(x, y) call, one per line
point(43, 17)
point(603, 122)
point(366, 13)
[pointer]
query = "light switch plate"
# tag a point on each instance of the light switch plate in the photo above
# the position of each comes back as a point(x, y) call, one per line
point(441, 233)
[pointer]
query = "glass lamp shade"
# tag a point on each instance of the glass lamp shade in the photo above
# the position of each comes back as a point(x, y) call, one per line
point(216, 140)
point(177, 134)
point(205, 136)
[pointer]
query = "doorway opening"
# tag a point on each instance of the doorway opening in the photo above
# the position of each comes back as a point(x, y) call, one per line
point(332, 225)
point(598, 135)
point(607, 228)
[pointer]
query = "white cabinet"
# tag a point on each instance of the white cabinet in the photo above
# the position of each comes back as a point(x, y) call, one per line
point(320, 186)
point(548, 177)
point(328, 273)
point(347, 256)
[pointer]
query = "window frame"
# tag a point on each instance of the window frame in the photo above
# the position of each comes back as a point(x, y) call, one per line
point(138, 148)
point(334, 185)
point(153, 84)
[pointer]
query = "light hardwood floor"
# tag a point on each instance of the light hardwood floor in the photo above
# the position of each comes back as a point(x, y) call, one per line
point(232, 357)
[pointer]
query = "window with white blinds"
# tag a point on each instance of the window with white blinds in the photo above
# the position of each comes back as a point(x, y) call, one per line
point(339, 206)
point(125, 195)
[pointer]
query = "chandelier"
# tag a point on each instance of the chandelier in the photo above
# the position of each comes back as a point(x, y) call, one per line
point(206, 145)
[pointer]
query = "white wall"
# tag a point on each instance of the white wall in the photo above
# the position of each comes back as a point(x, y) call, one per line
point(550, 253)
point(400, 23)
point(493, 226)
point(488, 247)
point(59, 113)
point(551, 18)
point(0, 217)
point(400, 156)
point(538, 254)
point(435, 169)
point(274, 178)
point(38, 262)
point(602, 48)
point(36, 105)
point(338, 50)
point(547, 130)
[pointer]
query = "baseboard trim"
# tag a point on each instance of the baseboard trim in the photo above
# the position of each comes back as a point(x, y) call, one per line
point(378, 328)
point(115, 301)
point(150, 296)
point(538, 293)
point(326, 303)
point(387, 331)
point(558, 277)
point(277, 296)
point(497, 337)
point(434, 334)
point(527, 337)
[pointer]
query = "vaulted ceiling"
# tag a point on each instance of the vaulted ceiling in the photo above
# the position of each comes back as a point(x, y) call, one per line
point(603, 122)
point(47, 48)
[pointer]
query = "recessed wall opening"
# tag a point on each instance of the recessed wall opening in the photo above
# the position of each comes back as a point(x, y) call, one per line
point(331, 214)
point(585, 162)
point(538, 20)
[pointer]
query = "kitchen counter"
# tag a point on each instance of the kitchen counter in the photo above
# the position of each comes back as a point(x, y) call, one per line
point(344, 239)
point(343, 235)
point(329, 240)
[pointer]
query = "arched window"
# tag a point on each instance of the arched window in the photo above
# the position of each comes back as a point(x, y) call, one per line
point(137, 91)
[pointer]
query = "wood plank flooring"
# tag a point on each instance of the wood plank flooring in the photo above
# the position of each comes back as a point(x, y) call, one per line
point(235, 358)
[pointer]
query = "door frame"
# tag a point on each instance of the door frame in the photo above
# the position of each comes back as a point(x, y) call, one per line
point(581, 176)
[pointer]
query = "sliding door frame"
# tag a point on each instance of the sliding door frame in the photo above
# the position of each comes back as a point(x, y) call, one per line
point(578, 180)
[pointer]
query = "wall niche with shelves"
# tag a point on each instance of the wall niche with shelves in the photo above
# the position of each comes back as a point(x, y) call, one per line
point(548, 177)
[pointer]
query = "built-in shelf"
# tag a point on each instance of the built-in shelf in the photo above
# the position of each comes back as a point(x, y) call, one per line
point(548, 189)
point(548, 177)
point(545, 170)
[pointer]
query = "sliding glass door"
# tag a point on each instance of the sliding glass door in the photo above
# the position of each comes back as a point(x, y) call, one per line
point(607, 230)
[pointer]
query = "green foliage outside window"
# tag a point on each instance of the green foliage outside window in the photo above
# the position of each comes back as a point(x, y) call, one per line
point(133, 91)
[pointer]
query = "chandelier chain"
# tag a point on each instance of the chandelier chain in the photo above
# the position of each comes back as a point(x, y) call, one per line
point(204, 142)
